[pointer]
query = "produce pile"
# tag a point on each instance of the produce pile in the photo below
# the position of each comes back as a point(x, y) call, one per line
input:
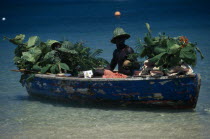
point(110, 74)
point(54, 56)
point(165, 55)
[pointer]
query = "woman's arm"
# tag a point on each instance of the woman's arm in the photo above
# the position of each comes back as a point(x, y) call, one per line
point(113, 61)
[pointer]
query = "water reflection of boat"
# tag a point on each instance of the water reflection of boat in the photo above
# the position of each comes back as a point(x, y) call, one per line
point(178, 91)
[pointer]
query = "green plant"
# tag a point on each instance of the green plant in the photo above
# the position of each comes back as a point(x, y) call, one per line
point(166, 52)
point(37, 56)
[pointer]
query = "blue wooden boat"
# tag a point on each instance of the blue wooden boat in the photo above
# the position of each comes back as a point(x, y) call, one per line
point(177, 91)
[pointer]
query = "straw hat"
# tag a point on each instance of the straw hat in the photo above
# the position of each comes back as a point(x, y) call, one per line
point(119, 33)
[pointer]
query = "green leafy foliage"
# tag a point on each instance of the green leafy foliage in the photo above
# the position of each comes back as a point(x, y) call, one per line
point(166, 52)
point(32, 55)
point(46, 68)
point(64, 66)
point(37, 56)
point(17, 40)
point(67, 45)
point(33, 41)
point(50, 57)
point(28, 57)
point(50, 42)
point(79, 57)
point(54, 69)
point(65, 50)
point(36, 68)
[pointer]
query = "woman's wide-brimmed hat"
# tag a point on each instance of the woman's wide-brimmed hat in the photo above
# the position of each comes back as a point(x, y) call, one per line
point(119, 33)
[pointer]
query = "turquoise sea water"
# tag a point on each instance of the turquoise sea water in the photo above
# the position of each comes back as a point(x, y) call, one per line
point(92, 21)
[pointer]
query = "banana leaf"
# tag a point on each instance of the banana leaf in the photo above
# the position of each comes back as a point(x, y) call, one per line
point(44, 48)
point(188, 55)
point(49, 56)
point(32, 55)
point(170, 42)
point(157, 58)
point(28, 57)
point(64, 66)
point(46, 68)
point(65, 50)
point(17, 40)
point(16, 60)
point(42, 45)
point(33, 41)
point(54, 69)
point(162, 60)
point(20, 49)
point(174, 49)
point(50, 42)
point(158, 50)
point(36, 68)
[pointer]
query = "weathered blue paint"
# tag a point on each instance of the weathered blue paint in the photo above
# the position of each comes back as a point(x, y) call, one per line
point(177, 92)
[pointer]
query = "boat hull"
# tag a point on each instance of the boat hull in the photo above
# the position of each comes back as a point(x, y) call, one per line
point(177, 92)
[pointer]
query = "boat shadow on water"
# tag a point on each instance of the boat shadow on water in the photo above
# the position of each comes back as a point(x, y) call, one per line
point(104, 105)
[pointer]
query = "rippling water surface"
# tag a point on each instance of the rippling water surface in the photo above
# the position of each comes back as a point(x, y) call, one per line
point(92, 21)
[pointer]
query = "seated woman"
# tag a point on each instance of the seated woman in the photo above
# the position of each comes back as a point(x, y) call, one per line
point(120, 55)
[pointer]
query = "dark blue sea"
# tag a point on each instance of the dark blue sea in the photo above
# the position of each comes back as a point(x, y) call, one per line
point(93, 21)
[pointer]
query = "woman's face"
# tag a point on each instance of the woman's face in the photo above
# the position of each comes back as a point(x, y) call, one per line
point(120, 41)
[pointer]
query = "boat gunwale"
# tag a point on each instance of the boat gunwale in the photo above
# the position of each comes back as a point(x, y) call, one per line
point(134, 78)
